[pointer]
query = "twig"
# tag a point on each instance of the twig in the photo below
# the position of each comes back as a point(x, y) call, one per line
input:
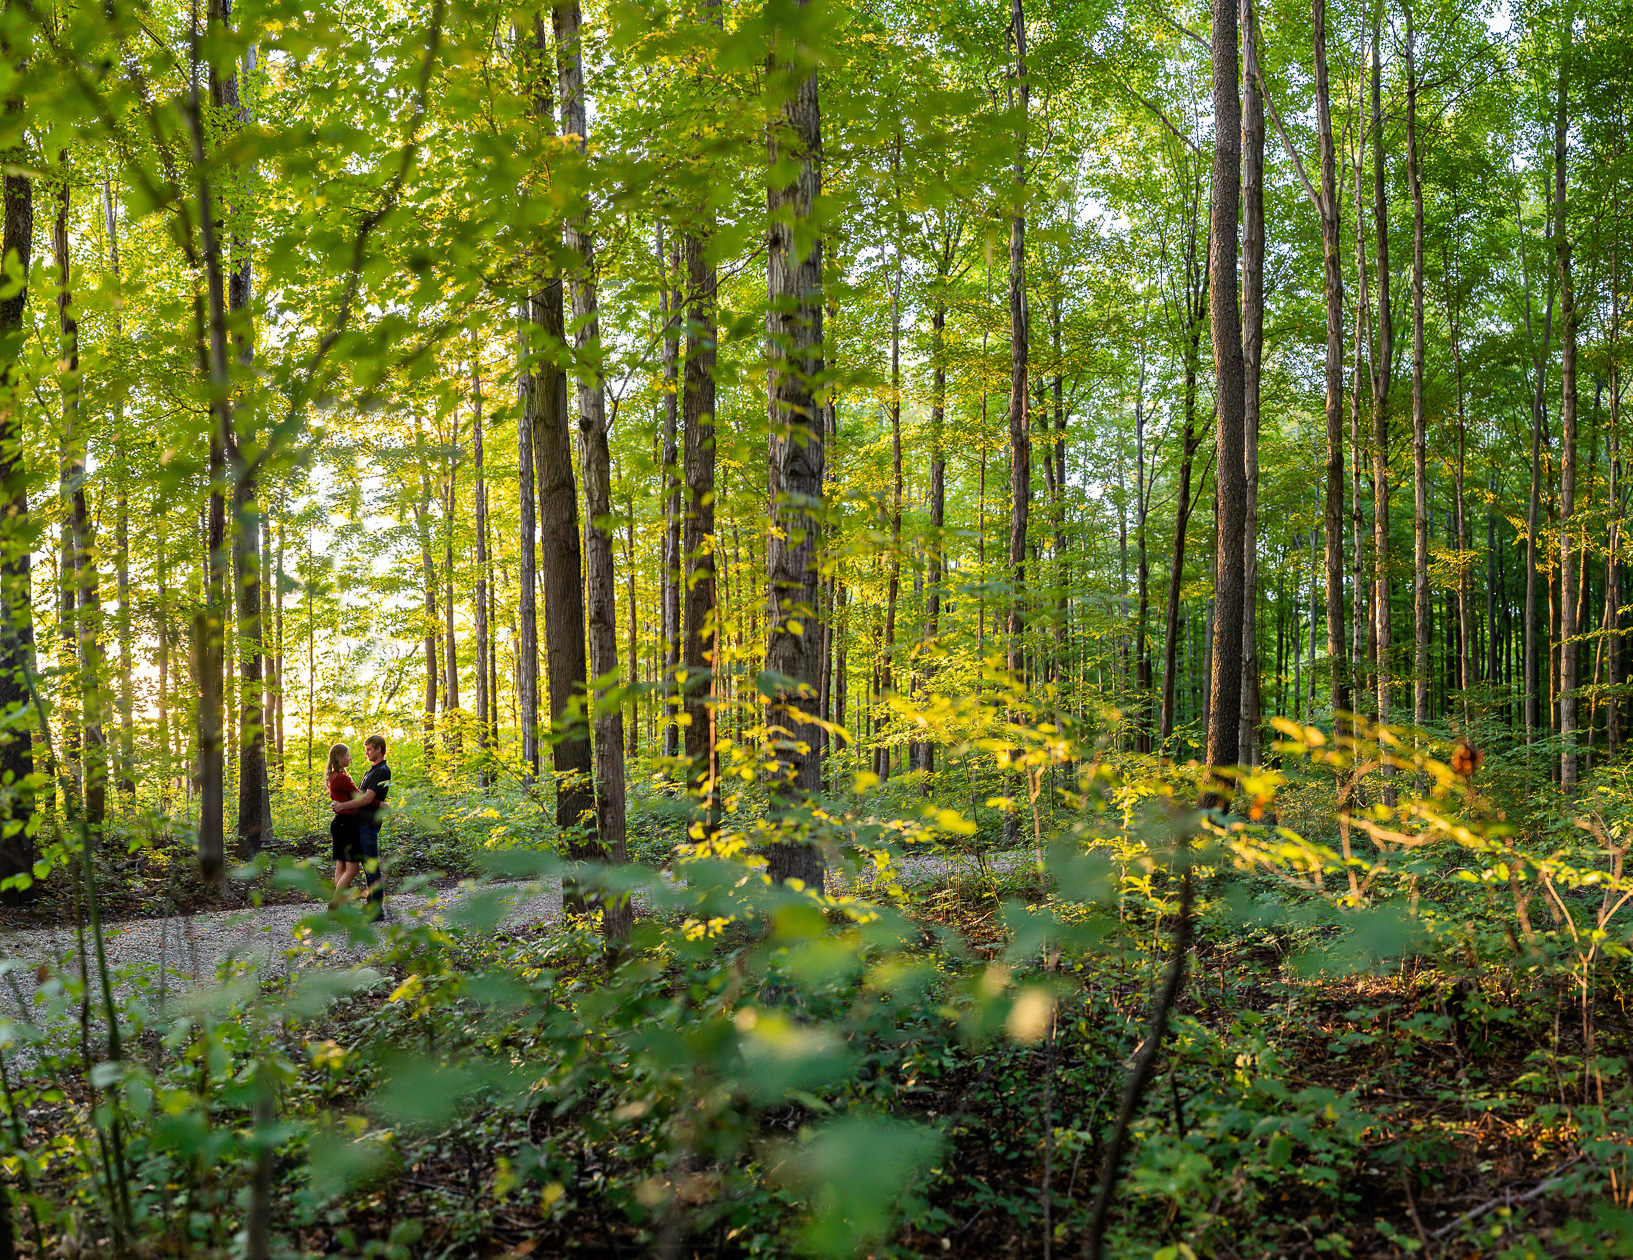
point(1412, 1207)
point(1536, 1191)
point(1144, 1065)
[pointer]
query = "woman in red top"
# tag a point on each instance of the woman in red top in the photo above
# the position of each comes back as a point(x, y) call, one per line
point(343, 829)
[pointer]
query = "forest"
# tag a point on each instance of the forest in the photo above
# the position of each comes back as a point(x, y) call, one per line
point(929, 627)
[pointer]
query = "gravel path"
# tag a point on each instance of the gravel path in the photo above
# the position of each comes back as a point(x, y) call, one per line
point(273, 939)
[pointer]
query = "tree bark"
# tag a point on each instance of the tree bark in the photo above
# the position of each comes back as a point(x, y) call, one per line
point(484, 696)
point(1020, 454)
point(254, 799)
point(1333, 289)
point(1465, 623)
point(1614, 495)
point(127, 733)
point(1230, 479)
point(1142, 572)
point(796, 456)
point(17, 849)
point(601, 604)
point(560, 556)
point(632, 728)
point(1382, 367)
point(1196, 311)
point(538, 388)
point(208, 631)
point(428, 574)
point(936, 558)
point(1569, 649)
point(1252, 350)
point(278, 644)
point(1612, 621)
point(699, 659)
point(83, 629)
point(1361, 603)
point(1058, 515)
point(887, 678)
point(450, 641)
point(1420, 436)
point(670, 299)
point(162, 635)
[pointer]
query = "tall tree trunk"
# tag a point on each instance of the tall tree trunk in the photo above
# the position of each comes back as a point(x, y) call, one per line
point(1058, 513)
point(1252, 349)
point(1382, 367)
point(602, 593)
point(887, 677)
point(1332, 277)
point(1020, 454)
point(1196, 310)
point(278, 641)
point(83, 631)
point(269, 659)
point(211, 318)
point(697, 414)
point(1420, 435)
point(938, 491)
point(796, 456)
point(1460, 540)
point(254, 800)
point(254, 804)
point(428, 574)
point(17, 850)
point(484, 646)
point(562, 586)
point(560, 556)
point(1569, 649)
point(1493, 661)
point(827, 690)
point(1531, 675)
point(1614, 496)
point(127, 733)
point(493, 654)
point(1230, 479)
point(632, 629)
point(68, 700)
point(163, 636)
point(554, 507)
point(450, 668)
point(670, 299)
point(1361, 609)
point(1612, 620)
point(1142, 571)
point(87, 622)
point(539, 387)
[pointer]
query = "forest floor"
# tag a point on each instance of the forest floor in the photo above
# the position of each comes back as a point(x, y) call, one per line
point(1298, 1112)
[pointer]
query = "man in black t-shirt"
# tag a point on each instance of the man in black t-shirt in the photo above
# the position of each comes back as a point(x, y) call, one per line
point(369, 805)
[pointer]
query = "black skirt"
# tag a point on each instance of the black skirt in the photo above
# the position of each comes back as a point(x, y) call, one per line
point(343, 833)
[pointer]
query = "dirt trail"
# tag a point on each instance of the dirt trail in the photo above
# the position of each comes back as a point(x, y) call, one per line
point(272, 939)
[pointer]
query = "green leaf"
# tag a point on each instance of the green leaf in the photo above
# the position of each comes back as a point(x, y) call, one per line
point(853, 1173)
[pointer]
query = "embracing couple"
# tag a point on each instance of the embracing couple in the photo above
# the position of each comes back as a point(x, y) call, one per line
point(355, 828)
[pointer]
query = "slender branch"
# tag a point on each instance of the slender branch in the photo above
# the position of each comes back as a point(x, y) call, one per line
point(1535, 1192)
point(1180, 27)
point(1286, 140)
point(1145, 1063)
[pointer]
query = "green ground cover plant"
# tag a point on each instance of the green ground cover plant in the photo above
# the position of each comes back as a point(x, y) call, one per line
point(920, 1068)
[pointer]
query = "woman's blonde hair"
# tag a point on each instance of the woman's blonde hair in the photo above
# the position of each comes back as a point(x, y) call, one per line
point(335, 753)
